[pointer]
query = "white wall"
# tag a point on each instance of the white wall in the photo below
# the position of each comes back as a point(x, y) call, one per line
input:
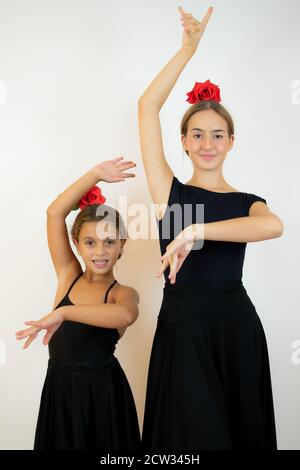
point(71, 73)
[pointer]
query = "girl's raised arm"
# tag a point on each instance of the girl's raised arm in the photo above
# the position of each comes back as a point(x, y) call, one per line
point(63, 257)
point(159, 174)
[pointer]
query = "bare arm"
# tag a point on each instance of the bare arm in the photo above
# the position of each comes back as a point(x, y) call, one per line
point(110, 315)
point(60, 249)
point(64, 202)
point(158, 173)
point(261, 224)
point(61, 252)
point(120, 314)
point(243, 229)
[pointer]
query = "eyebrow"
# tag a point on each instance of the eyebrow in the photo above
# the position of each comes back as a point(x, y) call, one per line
point(202, 130)
point(92, 238)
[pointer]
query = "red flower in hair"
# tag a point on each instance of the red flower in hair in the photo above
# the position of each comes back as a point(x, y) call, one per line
point(206, 91)
point(93, 196)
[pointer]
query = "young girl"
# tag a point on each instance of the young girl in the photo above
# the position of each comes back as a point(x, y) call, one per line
point(209, 383)
point(86, 401)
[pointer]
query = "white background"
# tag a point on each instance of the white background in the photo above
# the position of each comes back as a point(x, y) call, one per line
point(71, 73)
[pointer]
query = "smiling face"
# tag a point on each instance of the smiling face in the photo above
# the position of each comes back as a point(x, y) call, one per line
point(207, 141)
point(99, 246)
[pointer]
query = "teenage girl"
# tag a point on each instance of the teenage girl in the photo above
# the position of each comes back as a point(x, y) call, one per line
point(209, 384)
point(86, 401)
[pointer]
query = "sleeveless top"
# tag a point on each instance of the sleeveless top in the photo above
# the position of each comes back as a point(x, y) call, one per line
point(74, 341)
point(209, 260)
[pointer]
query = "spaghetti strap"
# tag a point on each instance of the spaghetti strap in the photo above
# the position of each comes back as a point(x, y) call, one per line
point(110, 287)
point(74, 283)
point(68, 291)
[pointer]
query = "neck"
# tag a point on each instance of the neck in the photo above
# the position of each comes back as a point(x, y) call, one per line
point(208, 179)
point(92, 277)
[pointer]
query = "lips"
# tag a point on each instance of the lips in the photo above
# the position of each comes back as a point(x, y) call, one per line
point(100, 263)
point(208, 157)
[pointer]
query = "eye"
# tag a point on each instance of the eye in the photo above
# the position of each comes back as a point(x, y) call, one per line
point(88, 241)
point(111, 242)
point(219, 135)
point(197, 135)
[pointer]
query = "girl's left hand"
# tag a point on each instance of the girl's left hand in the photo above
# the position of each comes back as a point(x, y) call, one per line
point(176, 253)
point(50, 322)
point(193, 29)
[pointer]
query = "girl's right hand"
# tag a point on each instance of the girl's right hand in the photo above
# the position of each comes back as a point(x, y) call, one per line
point(112, 171)
point(193, 29)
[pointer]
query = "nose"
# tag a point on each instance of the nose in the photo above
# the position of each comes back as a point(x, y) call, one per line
point(207, 142)
point(101, 249)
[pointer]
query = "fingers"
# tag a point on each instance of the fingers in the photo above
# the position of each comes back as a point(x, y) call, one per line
point(47, 337)
point(118, 179)
point(173, 265)
point(174, 268)
point(128, 175)
point(189, 20)
point(24, 333)
point(179, 264)
point(29, 340)
point(181, 11)
point(190, 24)
point(172, 261)
point(169, 252)
point(163, 267)
point(207, 16)
point(126, 165)
point(184, 15)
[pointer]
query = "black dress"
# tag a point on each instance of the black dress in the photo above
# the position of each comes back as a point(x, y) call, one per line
point(86, 402)
point(209, 384)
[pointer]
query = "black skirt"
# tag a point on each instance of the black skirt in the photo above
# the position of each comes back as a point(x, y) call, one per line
point(209, 385)
point(87, 405)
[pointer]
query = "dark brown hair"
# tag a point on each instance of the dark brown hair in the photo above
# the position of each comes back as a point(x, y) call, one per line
point(202, 106)
point(97, 213)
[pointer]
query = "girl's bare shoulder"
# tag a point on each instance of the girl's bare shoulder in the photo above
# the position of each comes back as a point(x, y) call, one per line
point(122, 291)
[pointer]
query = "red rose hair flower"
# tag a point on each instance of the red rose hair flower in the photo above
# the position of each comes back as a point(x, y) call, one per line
point(93, 196)
point(205, 91)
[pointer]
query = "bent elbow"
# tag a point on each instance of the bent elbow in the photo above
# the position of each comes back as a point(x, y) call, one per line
point(147, 105)
point(278, 229)
point(144, 101)
point(141, 104)
point(273, 227)
point(50, 211)
point(131, 316)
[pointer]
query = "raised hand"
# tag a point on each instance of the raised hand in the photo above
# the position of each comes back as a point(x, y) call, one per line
point(193, 29)
point(112, 171)
point(50, 322)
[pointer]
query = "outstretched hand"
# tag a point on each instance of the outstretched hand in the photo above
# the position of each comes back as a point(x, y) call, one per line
point(50, 322)
point(193, 29)
point(112, 171)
